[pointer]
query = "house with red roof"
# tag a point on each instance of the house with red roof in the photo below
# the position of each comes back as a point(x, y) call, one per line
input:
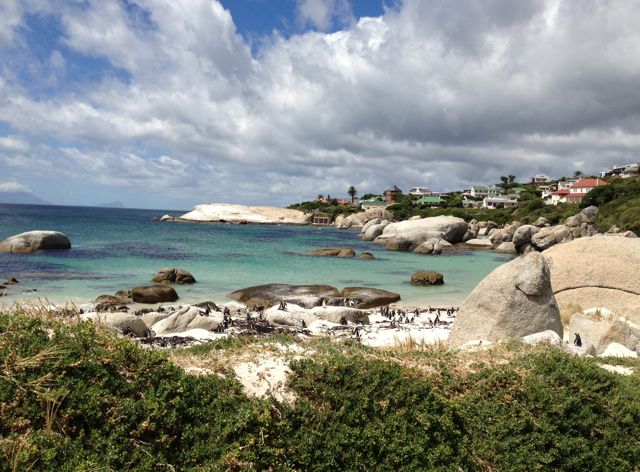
point(581, 188)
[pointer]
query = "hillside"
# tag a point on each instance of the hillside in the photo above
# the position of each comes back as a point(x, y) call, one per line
point(619, 204)
point(74, 397)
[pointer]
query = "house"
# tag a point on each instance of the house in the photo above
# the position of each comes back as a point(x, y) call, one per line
point(567, 182)
point(373, 203)
point(420, 192)
point(581, 188)
point(499, 202)
point(482, 191)
point(321, 219)
point(625, 171)
point(391, 194)
point(540, 179)
point(431, 201)
point(559, 196)
point(468, 203)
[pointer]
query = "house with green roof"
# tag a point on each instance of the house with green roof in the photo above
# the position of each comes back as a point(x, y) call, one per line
point(431, 201)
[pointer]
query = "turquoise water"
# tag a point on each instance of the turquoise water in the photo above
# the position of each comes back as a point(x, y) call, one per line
point(114, 249)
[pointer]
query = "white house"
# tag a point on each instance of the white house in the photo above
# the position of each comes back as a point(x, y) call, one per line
point(581, 188)
point(482, 191)
point(420, 192)
point(499, 202)
point(628, 170)
point(540, 179)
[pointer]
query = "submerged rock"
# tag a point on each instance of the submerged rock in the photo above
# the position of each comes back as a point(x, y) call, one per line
point(336, 252)
point(170, 275)
point(33, 241)
point(427, 278)
point(154, 294)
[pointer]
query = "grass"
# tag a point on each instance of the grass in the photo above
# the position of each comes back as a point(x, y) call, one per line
point(76, 397)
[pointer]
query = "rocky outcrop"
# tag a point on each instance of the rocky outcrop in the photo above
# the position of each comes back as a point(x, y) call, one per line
point(170, 275)
point(153, 294)
point(362, 218)
point(33, 241)
point(434, 246)
point(597, 272)
point(427, 278)
point(513, 301)
point(597, 334)
point(550, 236)
point(367, 256)
point(365, 297)
point(371, 232)
point(185, 319)
point(228, 213)
point(501, 235)
point(295, 314)
point(523, 235)
point(408, 235)
point(272, 294)
point(105, 302)
point(336, 252)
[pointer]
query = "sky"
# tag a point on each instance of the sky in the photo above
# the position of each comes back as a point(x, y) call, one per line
point(165, 104)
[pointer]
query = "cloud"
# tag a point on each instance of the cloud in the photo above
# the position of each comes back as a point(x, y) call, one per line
point(323, 14)
point(433, 93)
point(13, 187)
point(10, 18)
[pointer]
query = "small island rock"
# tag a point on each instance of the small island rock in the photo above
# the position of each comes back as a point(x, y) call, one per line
point(33, 241)
point(153, 294)
point(427, 278)
point(170, 275)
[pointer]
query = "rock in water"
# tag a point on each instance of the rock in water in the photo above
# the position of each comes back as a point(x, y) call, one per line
point(228, 213)
point(408, 235)
point(153, 294)
point(597, 272)
point(513, 301)
point(271, 294)
point(170, 275)
point(33, 241)
point(336, 252)
point(427, 278)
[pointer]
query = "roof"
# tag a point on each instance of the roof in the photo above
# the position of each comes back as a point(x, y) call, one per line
point(393, 189)
point(561, 192)
point(587, 183)
point(373, 203)
point(430, 200)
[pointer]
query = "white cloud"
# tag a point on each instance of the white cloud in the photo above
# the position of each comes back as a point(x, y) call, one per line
point(322, 14)
point(13, 187)
point(10, 17)
point(433, 93)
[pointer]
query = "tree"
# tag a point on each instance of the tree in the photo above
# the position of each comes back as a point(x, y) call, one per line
point(352, 193)
point(512, 179)
point(320, 196)
point(578, 173)
point(505, 181)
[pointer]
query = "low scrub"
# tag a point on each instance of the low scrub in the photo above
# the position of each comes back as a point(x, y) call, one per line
point(73, 397)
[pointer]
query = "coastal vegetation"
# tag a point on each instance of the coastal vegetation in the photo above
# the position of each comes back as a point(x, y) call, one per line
point(619, 203)
point(76, 397)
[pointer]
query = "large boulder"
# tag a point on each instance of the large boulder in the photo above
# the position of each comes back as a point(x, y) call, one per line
point(186, 318)
point(597, 272)
point(271, 294)
point(170, 275)
point(408, 235)
point(550, 236)
point(523, 235)
point(335, 252)
point(369, 297)
point(374, 231)
point(153, 294)
point(506, 248)
point(501, 235)
point(362, 218)
point(434, 246)
point(513, 301)
point(427, 278)
point(121, 322)
point(479, 243)
point(33, 241)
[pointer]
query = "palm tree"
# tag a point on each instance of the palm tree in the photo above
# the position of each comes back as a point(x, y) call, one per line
point(512, 179)
point(352, 193)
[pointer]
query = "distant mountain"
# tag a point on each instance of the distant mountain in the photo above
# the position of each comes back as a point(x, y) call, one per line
point(24, 198)
point(111, 205)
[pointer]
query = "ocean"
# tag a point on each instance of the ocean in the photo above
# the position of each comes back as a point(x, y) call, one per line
point(114, 249)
